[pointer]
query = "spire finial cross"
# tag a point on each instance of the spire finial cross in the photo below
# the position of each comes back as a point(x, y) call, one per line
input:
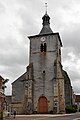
point(46, 7)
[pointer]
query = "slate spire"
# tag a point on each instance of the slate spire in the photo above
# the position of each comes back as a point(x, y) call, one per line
point(46, 24)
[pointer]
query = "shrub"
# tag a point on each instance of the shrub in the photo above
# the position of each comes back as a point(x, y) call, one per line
point(71, 109)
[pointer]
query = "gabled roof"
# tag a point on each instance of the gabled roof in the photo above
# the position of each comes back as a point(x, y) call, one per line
point(1, 77)
point(21, 78)
point(24, 76)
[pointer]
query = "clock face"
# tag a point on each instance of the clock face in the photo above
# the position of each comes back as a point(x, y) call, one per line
point(43, 39)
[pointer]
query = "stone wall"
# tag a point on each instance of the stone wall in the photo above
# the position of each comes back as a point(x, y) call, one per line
point(43, 66)
point(18, 106)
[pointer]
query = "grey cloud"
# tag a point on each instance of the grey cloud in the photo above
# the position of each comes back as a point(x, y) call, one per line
point(14, 53)
point(76, 85)
point(2, 7)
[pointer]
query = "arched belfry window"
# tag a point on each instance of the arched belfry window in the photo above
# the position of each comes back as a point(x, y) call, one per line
point(43, 47)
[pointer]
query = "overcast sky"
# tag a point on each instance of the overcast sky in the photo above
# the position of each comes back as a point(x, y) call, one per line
point(21, 18)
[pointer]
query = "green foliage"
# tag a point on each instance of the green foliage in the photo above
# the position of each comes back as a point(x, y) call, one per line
point(71, 109)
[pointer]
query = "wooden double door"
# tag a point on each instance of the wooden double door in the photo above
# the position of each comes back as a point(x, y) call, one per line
point(42, 105)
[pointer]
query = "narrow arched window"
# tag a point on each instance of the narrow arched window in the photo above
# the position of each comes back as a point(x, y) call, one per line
point(41, 47)
point(43, 71)
point(45, 47)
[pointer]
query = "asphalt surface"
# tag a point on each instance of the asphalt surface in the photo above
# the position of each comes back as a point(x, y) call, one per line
point(46, 117)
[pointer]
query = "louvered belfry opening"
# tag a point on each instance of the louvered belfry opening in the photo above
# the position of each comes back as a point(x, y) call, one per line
point(43, 47)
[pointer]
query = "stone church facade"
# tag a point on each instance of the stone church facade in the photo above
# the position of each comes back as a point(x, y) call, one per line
point(45, 87)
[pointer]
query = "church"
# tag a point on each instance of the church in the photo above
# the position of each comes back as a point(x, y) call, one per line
point(45, 87)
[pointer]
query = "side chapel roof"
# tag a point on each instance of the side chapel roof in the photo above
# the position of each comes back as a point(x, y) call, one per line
point(21, 78)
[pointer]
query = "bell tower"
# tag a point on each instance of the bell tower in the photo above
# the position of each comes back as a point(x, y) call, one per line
point(45, 54)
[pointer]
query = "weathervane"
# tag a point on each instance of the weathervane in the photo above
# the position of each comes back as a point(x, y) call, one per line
point(46, 7)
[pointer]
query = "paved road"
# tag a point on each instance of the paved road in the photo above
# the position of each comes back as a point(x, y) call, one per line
point(46, 117)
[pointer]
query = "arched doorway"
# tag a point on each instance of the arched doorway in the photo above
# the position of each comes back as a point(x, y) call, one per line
point(42, 105)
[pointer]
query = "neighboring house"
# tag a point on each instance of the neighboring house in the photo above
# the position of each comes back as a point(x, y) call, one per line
point(8, 100)
point(1, 97)
point(45, 87)
point(77, 101)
